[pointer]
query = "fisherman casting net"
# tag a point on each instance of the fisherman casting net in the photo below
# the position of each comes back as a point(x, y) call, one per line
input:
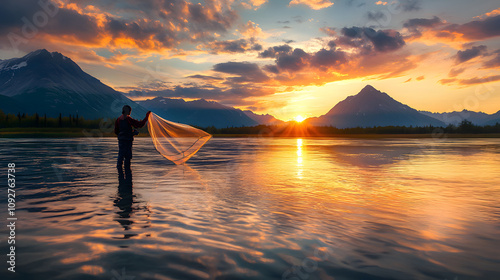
point(176, 142)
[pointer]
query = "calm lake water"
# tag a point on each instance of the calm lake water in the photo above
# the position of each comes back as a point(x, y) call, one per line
point(254, 208)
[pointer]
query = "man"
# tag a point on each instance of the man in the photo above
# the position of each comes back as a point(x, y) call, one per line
point(125, 133)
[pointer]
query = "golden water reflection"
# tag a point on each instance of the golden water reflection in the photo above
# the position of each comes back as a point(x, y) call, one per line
point(254, 208)
point(299, 158)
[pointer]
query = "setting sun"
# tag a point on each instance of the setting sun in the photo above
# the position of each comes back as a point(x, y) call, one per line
point(299, 118)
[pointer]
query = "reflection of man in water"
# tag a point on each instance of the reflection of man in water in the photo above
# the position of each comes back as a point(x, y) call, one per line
point(125, 133)
point(125, 200)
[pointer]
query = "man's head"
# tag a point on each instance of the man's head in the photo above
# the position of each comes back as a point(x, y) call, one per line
point(126, 110)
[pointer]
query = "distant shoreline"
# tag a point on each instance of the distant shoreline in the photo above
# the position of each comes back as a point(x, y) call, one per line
point(79, 132)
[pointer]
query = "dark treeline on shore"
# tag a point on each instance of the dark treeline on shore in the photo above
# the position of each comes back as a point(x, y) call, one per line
point(466, 127)
point(35, 120)
point(30, 122)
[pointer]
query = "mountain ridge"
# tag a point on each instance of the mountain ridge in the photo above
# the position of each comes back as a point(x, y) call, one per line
point(198, 112)
point(51, 83)
point(371, 107)
point(456, 117)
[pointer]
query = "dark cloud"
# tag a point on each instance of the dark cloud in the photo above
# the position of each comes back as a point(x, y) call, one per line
point(386, 40)
point(410, 5)
point(423, 22)
point(332, 44)
point(375, 15)
point(272, 68)
point(478, 29)
point(415, 24)
point(381, 40)
point(256, 47)
point(232, 46)
point(13, 10)
point(353, 32)
point(473, 30)
point(28, 18)
point(468, 54)
point(272, 52)
point(297, 19)
point(328, 58)
point(293, 61)
point(204, 77)
point(493, 63)
point(247, 72)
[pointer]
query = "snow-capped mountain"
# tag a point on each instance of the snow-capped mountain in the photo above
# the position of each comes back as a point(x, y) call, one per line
point(371, 107)
point(50, 83)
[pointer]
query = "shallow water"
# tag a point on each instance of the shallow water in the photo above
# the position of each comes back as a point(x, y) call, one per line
point(257, 208)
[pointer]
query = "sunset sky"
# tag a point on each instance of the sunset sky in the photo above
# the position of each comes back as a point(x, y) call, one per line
point(282, 57)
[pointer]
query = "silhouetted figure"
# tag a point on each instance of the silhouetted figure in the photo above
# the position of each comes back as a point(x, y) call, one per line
point(125, 132)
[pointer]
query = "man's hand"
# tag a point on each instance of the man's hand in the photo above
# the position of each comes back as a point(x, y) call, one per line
point(148, 113)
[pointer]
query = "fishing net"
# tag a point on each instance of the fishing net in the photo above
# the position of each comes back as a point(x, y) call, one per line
point(176, 142)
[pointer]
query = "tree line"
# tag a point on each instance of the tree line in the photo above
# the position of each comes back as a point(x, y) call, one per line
point(291, 129)
point(36, 120)
point(465, 127)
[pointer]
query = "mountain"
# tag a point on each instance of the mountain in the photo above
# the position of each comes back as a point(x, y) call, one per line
point(263, 119)
point(200, 112)
point(494, 119)
point(371, 107)
point(50, 83)
point(455, 118)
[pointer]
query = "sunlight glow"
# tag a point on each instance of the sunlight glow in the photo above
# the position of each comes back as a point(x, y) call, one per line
point(299, 118)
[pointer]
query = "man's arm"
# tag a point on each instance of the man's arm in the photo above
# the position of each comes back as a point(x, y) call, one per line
point(138, 124)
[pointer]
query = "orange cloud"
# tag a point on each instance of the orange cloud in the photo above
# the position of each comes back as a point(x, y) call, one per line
point(489, 14)
point(380, 3)
point(251, 30)
point(447, 81)
point(313, 4)
point(253, 4)
point(164, 27)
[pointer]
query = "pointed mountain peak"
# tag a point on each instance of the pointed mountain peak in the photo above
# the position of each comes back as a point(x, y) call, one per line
point(45, 54)
point(368, 89)
point(40, 52)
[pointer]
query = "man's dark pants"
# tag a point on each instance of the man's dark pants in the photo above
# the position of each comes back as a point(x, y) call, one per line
point(124, 153)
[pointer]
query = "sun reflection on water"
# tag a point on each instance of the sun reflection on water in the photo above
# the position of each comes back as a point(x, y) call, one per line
point(299, 159)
